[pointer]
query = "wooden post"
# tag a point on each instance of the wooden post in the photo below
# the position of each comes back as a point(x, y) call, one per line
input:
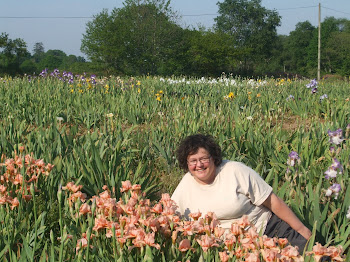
point(319, 44)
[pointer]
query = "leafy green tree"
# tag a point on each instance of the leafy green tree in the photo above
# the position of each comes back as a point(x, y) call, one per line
point(297, 46)
point(12, 54)
point(337, 54)
point(210, 53)
point(275, 65)
point(328, 27)
point(52, 59)
point(38, 52)
point(136, 39)
point(28, 67)
point(253, 28)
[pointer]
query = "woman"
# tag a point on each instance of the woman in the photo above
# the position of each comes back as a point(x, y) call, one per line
point(231, 189)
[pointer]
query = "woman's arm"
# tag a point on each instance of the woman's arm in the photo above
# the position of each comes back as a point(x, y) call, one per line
point(277, 206)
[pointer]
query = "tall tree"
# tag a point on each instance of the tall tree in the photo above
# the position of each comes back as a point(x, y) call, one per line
point(12, 54)
point(337, 54)
point(52, 59)
point(329, 26)
point(209, 53)
point(135, 39)
point(252, 26)
point(296, 47)
point(38, 52)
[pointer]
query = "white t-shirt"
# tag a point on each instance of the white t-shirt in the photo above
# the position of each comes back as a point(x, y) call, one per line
point(236, 191)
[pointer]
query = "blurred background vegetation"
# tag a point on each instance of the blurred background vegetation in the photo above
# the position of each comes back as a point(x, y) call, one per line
point(144, 37)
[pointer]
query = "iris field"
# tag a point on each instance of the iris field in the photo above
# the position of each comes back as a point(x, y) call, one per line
point(88, 165)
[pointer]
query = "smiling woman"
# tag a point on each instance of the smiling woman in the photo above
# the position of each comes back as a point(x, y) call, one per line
point(231, 189)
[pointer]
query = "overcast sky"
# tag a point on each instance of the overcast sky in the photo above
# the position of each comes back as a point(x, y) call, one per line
point(29, 19)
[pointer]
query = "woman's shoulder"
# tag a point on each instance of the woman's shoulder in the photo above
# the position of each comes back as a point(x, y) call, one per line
point(238, 169)
point(234, 165)
point(185, 181)
point(183, 186)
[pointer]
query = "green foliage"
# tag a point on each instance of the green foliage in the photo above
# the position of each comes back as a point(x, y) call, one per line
point(28, 67)
point(210, 53)
point(145, 38)
point(253, 28)
point(337, 54)
point(297, 47)
point(136, 39)
point(38, 52)
point(53, 59)
point(114, 130)
point(13, 53)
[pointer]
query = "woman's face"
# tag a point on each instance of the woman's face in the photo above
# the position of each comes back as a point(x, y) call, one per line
point(201, 166)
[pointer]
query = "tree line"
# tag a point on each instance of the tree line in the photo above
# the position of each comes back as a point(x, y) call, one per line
point(144, 37)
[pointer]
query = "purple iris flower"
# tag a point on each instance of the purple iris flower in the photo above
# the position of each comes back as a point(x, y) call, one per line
point(293, 158)
point(322, 97)
point(336, 165)
point(334, 189)
point(336, 137)
point(334, 169)
point(290, 97)
point(314, 90)
point(56, 72)
point(313, 83)
point(44, 73)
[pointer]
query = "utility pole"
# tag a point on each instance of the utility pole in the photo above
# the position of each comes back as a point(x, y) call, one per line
point(319, 44)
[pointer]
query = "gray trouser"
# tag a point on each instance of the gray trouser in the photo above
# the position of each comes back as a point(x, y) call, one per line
point(276, 227)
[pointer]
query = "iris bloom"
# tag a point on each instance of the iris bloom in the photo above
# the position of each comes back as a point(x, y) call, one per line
point(313, 83)
point(185, 245)
point(318, 251)
point(207, 242)
point(72, 187)
point(290, 97)
point(224, 257)
point(333, 170)
point(195, 216)
point(322, 97)
point(126, 186)
point(293, 158)
point(336, 137)
point(334, 189)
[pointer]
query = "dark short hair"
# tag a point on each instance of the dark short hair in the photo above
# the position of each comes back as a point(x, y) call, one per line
point(190, 146)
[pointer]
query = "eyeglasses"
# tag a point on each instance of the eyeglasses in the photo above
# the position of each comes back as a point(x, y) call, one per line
point(202, 160)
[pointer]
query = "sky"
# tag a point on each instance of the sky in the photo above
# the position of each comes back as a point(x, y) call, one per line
point(41, 20)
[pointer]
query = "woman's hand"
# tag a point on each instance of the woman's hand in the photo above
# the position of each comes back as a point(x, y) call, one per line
point(305, 232)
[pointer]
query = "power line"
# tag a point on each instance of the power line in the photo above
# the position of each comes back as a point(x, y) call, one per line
point(336, 10)
point(90, 17)
point(46, 17)
point(201, 14)
point(301, 7)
